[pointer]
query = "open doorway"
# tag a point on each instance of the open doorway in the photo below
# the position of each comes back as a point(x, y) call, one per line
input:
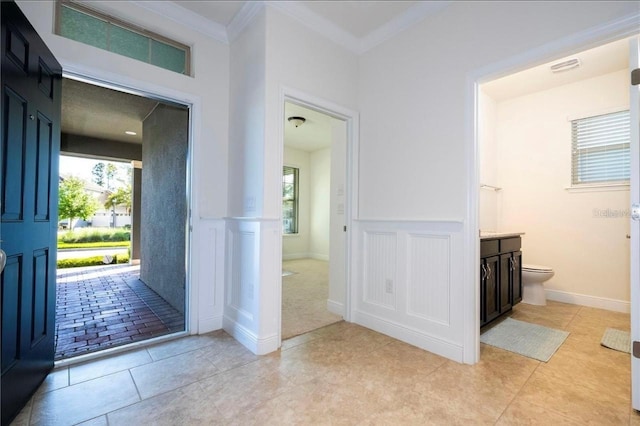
point(554, 162)
point(313, 213)
point(122, 257)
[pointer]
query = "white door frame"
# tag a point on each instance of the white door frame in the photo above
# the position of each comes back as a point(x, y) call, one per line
point(351, 118)
point(605, 33)
point(95, 76)
point(634, 109)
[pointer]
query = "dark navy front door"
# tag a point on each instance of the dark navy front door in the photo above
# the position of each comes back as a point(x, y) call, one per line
point(31, 89)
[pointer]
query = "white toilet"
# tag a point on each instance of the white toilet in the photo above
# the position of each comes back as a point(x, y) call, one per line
point(533, 278)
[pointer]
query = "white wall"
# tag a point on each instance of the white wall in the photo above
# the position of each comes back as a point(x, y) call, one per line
point(416, 118)
point(207, 90)
point(297, 246)
point(320, 181)
point(337, 218)
point(489, 197)
point(294, 58)
point(588, 252)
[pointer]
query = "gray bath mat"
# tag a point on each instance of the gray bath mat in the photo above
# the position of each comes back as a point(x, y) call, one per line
point(617, 339)
point(531, 340)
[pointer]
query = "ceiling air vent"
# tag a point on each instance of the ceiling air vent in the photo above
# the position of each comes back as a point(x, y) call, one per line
point(565, 65)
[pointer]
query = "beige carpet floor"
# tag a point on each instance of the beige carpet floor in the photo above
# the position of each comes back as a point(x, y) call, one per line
point(304, 297)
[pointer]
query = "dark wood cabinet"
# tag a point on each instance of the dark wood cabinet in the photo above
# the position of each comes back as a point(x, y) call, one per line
point(500, 276)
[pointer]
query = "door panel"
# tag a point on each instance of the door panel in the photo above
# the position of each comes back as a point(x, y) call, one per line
point(31, 89)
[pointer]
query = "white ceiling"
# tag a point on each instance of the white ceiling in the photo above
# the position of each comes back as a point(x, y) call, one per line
point(360, 18)
point(311, 136)
point(221, 12)
point(594, 62)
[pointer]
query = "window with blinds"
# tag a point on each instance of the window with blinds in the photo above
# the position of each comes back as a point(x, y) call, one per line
point(290, 200)
point(80, 23)
point(600, 149)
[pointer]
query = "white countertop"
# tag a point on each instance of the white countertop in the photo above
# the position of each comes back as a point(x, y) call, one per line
point(486, 235)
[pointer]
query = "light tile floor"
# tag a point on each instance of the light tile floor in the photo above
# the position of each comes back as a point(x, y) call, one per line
point(346, 374)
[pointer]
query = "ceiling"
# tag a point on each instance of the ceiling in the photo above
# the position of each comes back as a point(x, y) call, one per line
point(594, 62)
point(94, 111)
point(358, 18)
point(311, 136)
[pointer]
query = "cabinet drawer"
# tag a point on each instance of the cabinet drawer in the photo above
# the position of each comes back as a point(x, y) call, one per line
point(510, 244)
point(489, 248)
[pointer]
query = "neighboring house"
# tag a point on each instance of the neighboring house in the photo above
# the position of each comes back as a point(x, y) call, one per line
point(407, 88)
point(103, 217)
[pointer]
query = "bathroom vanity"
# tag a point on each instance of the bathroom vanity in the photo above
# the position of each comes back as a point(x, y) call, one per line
point(500, 274)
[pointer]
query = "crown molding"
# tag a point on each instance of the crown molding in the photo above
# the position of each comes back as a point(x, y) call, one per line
point(243, 18)
point(185, 17)
point(402, 22)
point(317, 23)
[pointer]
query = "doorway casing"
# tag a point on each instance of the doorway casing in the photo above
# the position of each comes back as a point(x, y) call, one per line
point(139, 88)
point(591, 38)
point(351, 118)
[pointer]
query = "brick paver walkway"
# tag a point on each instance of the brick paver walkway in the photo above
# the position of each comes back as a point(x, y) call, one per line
point(100, 307)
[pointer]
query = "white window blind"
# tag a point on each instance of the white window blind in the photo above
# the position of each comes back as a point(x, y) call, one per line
point(600, 149)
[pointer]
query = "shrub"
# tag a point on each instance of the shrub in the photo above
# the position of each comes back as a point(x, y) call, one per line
point(91, 261)
point(94, 235)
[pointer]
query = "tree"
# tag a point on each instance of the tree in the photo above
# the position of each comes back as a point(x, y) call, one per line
point(73, 200)
point(104, 174)
point(110, 172)
point(98, 174)
point(119, 197)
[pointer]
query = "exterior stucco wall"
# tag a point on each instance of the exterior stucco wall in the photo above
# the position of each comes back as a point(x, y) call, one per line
point(164, 203)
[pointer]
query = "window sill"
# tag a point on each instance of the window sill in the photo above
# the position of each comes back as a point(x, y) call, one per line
point(598, 188)
point(291, 235)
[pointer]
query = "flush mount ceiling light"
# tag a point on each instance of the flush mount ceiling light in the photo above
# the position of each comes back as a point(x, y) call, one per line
point(297, 121)
point(565, 65)
point(129, 132)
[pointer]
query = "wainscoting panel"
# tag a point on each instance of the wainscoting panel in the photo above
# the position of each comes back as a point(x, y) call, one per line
point(210, 274)
point(379, 273)
point(428, 279)
point(241, 244)
point(252, 301)
point(407, 283)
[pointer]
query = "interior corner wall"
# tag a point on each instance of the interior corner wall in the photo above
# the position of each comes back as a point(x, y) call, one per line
point(165, 142)
point(319, 191)
point(297, 246)
point(581, 235)
point(247, 121)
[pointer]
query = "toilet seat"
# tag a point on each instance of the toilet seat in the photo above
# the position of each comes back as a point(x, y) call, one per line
point(537, 269)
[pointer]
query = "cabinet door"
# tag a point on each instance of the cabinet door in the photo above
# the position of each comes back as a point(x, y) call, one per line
point(483, 288)
point(516, 276)
point(492, 285)
point(505, 282)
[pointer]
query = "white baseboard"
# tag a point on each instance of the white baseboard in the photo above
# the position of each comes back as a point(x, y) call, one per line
point(259, 346)
point(410, 336)
point(335, 307)
point(205, 325)
point(591, 301)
